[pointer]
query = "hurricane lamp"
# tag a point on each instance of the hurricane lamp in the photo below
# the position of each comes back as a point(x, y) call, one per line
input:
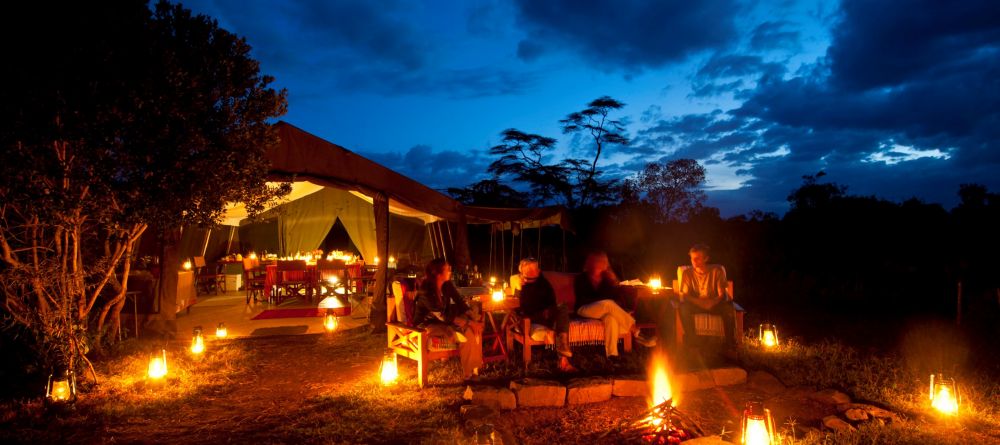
point(61, 387)
point(387, 370)
point(944, 394)
point(497, 295)
point(330, 321)
point(221, 331)
point(186, 265)
point(655, 284)
point(757, 425)
point(197, 341)
point(157, 365)
point(768, 336)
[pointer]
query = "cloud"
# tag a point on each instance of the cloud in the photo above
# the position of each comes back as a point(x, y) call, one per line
point(626, 36)
point(774, 36)
point(435, 169)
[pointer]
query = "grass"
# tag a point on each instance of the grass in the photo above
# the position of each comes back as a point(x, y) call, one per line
point(886, 380)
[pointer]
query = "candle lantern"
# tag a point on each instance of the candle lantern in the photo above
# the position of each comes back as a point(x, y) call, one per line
point(330, 321)
point(493, 281)
point(197, 341)
point(768, 336)
point(221, 331)
point(387, 370)
point(497, 295)
point(253, 256)
point(375, 261)
point(757, 426)
point(392, 262)
point(157, 365)
point(186, 265)
point(61, 387)
point(655, 284)
point(944, 394)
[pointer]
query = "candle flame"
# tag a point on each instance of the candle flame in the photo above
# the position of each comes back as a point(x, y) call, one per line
point(756, 433)
point(389, 373)
point(944, 401)
point(157, 367)
point(330, 323)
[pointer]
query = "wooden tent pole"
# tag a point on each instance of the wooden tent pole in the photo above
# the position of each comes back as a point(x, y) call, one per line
point(444, 249)
point(538, 253)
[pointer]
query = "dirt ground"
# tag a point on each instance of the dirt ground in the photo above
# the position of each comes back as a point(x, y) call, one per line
point(323, 389)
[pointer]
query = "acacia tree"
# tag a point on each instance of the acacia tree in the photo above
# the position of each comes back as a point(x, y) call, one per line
point(118, 117)
point(604, 131)
point(522, 155)
point(490, 193)
point(672, 188)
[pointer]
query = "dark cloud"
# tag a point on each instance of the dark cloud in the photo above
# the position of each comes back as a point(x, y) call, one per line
point(628, 36)
point(435, 169)
point(731, 73)
point(774, 36)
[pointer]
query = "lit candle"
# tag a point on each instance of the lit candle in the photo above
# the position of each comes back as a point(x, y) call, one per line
point(158, 365)
point(187, 265)
point(387, 371)
point(498, 295)
point(330, 322)
point(221, 331)
point(197, 342)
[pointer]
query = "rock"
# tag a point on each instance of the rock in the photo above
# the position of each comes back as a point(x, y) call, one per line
point(830, 397)
point(496, 398)
point(588, 390)
point(856, 415)
point(707, 440)
point(693, 381)
point(766, 382)
point(729, 376)
point(628, 387)
point(880, 414)
point(836, 424)
point(535, 392)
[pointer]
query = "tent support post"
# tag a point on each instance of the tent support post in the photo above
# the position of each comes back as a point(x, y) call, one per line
point(444, 250)
point(229, 245)
point(538, 253)
point(377, 313)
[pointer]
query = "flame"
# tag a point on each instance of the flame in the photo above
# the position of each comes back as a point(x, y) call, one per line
point(330, 323)
point(655, 283)
point(60, 391)
point(756, 433)
point(769, 340)
point(944, 401)
point(186, 265)
point(388, 370)
point(198, 344)
point(157, 367)
point(498, 295)
point(659, 382)
point(221, 332)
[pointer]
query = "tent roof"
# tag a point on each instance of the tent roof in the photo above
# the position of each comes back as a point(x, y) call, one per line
point(530, 217)
point(309, 157)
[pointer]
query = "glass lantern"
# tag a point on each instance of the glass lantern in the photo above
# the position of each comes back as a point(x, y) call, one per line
point(768, 336)
point(221, 331)
point(157, 365)
point(757, 425)
point(330, 321)
point(387, 370)
point(197, 341)
point(944, 394)
point(61, 387)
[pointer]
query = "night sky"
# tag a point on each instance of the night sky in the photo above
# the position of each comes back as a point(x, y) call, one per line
point(897, 99)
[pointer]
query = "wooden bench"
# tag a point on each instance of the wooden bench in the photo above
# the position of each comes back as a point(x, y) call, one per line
point(581, 330)
point(406, 340)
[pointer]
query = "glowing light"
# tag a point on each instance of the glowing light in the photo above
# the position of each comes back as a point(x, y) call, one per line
point(768, 336)
point(158, 365)
point(659, 381)
point(253, 256)
point(330, 322)
point(388, 371)
point(498, 295)
point(758, 426)
point(493, 281)
point(655, 284)
point(221, 331)
point(186, 265)
point(375, 261)
point(197, 342)
point(944, 395)
point(61, 387)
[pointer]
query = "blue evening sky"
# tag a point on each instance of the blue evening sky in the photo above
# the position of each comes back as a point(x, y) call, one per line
point(897, 99)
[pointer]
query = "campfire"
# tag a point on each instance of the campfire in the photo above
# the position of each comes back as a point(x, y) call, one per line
point(662, 423)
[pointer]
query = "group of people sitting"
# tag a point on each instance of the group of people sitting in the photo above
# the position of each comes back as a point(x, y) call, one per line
point(442, 311)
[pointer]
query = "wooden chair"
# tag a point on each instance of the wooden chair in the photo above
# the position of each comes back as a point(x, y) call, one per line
point(254, 277)
point(581, 330)
point(293, 278)
point(209, 277)
point(406, 340)
point(707, 324)
point(336, 270)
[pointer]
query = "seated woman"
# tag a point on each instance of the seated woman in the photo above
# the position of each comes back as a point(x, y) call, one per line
point(442, 311)
point(596, 289)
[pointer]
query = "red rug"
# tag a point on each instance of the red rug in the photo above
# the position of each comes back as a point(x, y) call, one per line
point(301, 313)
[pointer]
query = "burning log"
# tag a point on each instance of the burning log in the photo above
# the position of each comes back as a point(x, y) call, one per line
point(661, 424)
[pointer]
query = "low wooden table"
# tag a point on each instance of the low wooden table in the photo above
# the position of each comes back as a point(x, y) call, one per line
point(497, 314)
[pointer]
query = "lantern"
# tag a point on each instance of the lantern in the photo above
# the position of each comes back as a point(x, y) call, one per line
point(387, 370)
point(330, 321)
point(497, 295)
point(197, 341)
point(221, 331)
point(157, 365)
point(61, 387)
point(655, 284)
point(493, 281)
point(392, 262)
point(768, 336)
point(186, 265)
point(758, 427)
point(253, 256)
point(944, 394)
point(375, 261)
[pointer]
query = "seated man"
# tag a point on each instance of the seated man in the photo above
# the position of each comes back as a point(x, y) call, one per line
point(538, 302)
point(704, 290)
point(596, 290)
